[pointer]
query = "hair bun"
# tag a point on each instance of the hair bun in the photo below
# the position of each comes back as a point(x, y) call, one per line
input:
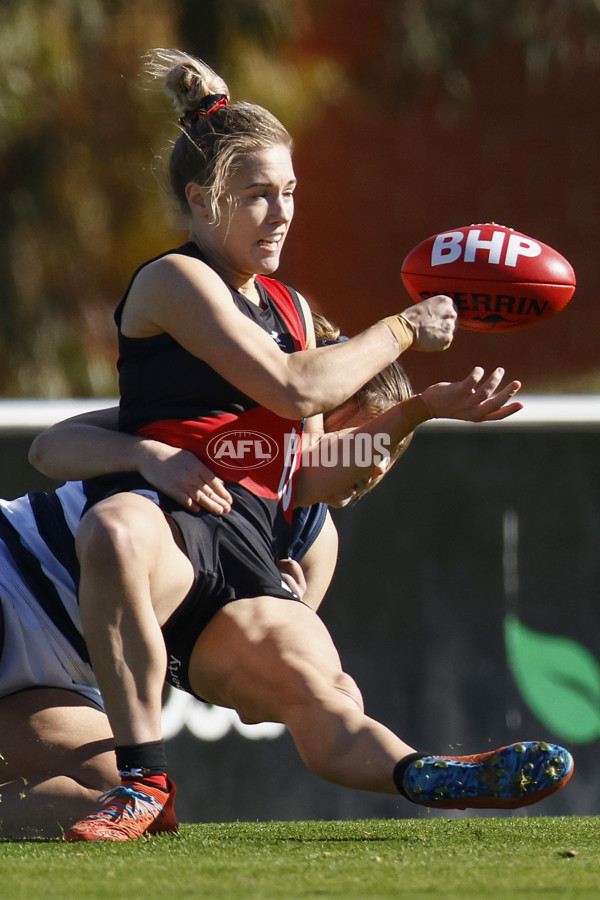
point(188, 81)
point(186, 89)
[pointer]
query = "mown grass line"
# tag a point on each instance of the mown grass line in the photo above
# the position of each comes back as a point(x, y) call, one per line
point(491, 858)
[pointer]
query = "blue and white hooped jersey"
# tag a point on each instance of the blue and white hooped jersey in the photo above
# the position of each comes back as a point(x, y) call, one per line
point(41, 634)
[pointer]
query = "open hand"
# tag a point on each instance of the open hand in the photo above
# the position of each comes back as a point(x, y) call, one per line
point(183, 477)
point(474, 399)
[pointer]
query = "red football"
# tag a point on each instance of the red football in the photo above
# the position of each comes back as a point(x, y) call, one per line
point(499, 279)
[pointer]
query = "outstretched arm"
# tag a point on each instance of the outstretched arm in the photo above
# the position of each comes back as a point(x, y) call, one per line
point(183, 297)
point(331, 462)
point(89, 445)
point(474, 399)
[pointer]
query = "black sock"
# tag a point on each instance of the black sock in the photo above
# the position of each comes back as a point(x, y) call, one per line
point(139, 760)
point(401, 768)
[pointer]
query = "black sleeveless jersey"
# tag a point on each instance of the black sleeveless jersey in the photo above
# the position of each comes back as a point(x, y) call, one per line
point(172, 396)
point(159, 379)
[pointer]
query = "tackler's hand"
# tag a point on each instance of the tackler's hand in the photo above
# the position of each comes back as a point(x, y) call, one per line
point(183, 477)
point(292, 574)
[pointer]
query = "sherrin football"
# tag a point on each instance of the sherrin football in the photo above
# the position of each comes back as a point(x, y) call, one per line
point(499, 279)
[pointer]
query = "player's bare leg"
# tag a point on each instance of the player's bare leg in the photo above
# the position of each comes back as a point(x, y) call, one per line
point(133, 576)
point(56, 759)
point(274, 660)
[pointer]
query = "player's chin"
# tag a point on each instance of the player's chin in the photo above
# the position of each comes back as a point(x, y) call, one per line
point(267, 261)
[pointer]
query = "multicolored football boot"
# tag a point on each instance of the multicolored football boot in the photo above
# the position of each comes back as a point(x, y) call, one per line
point(513, 776)
point(128, 812)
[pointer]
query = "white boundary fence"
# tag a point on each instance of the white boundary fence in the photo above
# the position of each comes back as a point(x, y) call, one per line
point(548, 410)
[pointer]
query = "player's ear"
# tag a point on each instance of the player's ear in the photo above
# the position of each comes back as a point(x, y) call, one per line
point(197, 200)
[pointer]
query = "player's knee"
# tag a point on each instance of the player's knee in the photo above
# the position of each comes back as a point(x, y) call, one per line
point(329, 689)
point(344, 684)
point(100, 540)
point(313, 689)
point(108, 534)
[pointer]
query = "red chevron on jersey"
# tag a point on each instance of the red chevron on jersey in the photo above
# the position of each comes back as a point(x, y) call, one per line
point(256, 449)
point(287, 308)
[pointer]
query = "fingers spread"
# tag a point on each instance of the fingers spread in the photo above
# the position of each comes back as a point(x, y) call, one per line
point(494, 407)
point(491, 384)
point(472, 380)
point(504, 412)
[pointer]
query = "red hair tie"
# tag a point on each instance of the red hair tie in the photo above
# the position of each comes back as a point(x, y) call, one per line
point(222, 101)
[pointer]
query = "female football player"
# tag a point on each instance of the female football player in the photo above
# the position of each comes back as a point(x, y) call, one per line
point(213, 351)
point(56, 753)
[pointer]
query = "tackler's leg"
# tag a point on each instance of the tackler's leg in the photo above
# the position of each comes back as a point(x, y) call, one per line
point(56, 759)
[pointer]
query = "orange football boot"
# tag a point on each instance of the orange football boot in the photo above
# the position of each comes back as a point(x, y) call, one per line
point(128, 812)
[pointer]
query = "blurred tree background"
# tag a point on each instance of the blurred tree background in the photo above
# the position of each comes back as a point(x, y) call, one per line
point(80, 202)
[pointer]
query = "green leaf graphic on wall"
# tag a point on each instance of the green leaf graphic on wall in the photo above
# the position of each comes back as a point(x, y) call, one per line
point(558, 678)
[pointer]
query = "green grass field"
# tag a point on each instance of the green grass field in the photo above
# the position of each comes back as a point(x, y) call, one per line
point(487, 859)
